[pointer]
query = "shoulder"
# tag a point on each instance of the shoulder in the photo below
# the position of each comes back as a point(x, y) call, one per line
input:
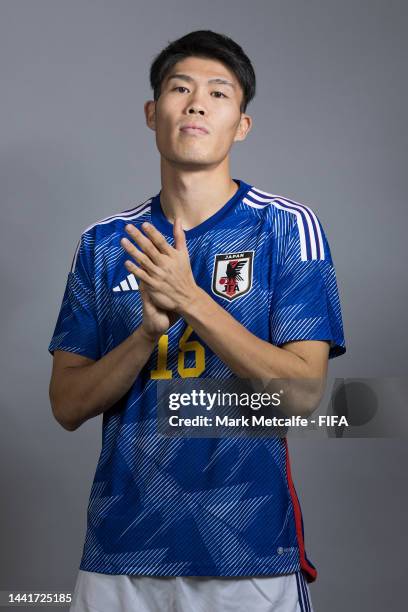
point(290, 220)
point(102, 232)
point(110, 224)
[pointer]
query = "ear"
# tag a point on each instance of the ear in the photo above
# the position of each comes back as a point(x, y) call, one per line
point(244, 127)
point(150, 114)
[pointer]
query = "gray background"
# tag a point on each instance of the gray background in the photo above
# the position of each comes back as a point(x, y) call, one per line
point(329, 131)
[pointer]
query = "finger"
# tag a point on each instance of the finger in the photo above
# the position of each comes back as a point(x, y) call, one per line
point(144, 292)
point(179, 236)
point(157, 238)
point(142, 259)
point(140, 274)
point(143, 289)
point(145, 243)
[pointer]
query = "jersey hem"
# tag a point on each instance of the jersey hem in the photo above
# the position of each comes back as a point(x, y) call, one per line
point(194, 570)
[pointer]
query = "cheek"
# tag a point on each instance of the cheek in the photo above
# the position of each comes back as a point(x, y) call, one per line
point(163, 135)
point(226, 124)
point(225, 135)
point(164, 123)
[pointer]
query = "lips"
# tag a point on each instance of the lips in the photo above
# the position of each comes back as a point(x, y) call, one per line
point(192, 128)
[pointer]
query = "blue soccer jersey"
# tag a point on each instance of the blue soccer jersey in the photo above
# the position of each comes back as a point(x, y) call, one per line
point(177, 506)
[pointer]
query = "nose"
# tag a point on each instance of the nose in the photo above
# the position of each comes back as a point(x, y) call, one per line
point(195, 104)
point(193, 109)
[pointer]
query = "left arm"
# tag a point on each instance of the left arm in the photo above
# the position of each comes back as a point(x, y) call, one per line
point(167, 274)
point(244, 353)
point(250, 357)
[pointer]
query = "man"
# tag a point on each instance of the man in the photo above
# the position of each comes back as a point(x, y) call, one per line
point(210, 278)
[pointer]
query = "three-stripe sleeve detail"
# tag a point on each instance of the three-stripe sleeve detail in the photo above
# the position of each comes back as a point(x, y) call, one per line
point(310, 231)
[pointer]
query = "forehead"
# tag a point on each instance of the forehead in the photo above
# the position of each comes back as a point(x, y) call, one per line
point(203, 68)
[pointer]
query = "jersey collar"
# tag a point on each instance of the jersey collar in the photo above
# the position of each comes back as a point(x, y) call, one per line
point(161, 222)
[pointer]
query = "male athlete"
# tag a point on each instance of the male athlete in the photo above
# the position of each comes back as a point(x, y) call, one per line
point(212, 277)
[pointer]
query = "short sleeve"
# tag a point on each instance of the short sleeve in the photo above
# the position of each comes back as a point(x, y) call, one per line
point(305, 301)
point(76, 329)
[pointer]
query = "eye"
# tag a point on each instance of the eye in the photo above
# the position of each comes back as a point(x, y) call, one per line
point(219, 94)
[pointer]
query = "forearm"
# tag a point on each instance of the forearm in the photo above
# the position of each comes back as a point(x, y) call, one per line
point(92, 389)
point(252, 358)
point(244, 353)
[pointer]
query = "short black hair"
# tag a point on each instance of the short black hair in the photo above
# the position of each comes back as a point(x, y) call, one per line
point(208, 44)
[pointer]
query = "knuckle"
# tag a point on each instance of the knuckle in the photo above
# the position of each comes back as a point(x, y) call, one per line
point(148, 249)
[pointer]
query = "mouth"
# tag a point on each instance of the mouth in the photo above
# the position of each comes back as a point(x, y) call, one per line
point(193, 129)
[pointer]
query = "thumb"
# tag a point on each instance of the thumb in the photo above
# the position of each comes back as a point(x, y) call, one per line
point(179, 236)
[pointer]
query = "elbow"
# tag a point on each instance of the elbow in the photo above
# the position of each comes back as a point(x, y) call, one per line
point(312, 398)
point(63, 415)
point(67, 424)
point(301, 397)
point(309, 407)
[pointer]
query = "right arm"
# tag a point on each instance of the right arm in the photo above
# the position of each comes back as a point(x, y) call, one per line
point(81, 388)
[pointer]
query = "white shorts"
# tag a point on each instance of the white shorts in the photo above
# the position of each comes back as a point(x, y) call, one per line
point(95, 592)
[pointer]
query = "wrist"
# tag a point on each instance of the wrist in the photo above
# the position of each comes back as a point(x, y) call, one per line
point(191, 303)
point(150, 336)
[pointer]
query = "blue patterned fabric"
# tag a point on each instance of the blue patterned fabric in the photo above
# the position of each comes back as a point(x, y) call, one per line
point(199, 506)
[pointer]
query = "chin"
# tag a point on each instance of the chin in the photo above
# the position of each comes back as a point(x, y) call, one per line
point(193, 158)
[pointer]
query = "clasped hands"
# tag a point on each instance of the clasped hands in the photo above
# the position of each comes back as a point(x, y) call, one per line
point(164, 271)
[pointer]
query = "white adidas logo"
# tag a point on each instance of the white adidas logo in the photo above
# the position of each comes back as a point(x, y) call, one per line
point(127, 284)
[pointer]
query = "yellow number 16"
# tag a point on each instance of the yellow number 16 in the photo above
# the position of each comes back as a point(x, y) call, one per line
point(161, 372)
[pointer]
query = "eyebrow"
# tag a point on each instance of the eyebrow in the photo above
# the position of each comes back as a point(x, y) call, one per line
point(186, 77)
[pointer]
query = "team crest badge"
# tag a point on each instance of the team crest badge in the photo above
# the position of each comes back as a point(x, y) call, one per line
point(232, 274)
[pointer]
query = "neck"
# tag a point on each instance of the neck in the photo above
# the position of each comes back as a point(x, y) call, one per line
point(194, 196)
